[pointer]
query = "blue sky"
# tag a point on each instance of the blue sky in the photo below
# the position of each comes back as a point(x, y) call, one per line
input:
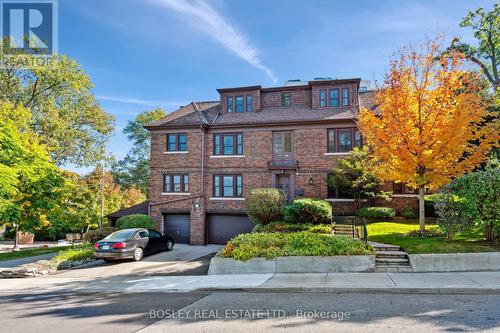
point(142, 54)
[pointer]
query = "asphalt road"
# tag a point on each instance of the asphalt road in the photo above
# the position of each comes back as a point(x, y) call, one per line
point(248, 312)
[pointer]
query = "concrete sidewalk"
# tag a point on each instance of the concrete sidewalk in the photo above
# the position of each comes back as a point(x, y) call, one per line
point(432, 283)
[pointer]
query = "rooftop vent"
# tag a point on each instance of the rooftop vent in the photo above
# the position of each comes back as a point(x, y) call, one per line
point(295, 82)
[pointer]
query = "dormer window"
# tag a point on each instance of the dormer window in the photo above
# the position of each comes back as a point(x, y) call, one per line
point(286, 99)
point(334, 97)
point(345, 96)
point(230, 104)
point(239, 104)
point(322, 98)
point(249, 103)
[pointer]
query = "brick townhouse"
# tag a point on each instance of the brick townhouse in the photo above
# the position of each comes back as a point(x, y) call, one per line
point(207, 155)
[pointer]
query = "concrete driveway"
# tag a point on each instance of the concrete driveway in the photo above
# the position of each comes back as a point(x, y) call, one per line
point(182, 260)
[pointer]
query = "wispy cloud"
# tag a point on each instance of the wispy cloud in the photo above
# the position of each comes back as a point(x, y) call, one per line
point(137, 101)
point(218, 27)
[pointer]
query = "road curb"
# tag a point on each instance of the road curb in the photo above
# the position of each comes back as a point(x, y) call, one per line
point(349, 290)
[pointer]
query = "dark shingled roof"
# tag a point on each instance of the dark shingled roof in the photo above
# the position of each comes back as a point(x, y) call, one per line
point(194, 113)
point(283, 115)
point(367, 100)
point(208, 113)
point(141, 208)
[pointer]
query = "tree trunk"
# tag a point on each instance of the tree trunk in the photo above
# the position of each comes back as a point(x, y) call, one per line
point(16, 239)
point(421, 207)
point(488, 232)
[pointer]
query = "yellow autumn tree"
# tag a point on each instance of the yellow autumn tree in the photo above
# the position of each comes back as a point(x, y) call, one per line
point(431, 124)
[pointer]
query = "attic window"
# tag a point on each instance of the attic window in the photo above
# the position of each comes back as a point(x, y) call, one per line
point(239, 102)
point(286, 99)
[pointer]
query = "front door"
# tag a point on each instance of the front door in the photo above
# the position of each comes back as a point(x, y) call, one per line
point(283, 183)
point(282, 148)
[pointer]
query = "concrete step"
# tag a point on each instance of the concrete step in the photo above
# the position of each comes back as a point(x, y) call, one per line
point(391, 261)
point(387, 248)
point(393, 269)
point(383, 254)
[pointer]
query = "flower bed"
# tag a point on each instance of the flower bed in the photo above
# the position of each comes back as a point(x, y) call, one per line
point(271, 245)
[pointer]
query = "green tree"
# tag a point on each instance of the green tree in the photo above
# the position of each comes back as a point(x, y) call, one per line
point(486, 28)
point(68, 119)
point(76, 210)
point(353, 174)
point(133, 170)
point(480, 192)
point(28, 179)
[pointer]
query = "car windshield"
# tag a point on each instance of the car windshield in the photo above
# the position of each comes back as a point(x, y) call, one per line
point(119, 236)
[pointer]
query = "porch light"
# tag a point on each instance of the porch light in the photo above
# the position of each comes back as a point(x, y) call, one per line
point(311, 180)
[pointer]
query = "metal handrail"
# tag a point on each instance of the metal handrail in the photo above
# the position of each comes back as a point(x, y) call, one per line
point(358, 226)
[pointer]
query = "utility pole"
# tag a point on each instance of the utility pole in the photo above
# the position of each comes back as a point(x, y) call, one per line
point(102, 195)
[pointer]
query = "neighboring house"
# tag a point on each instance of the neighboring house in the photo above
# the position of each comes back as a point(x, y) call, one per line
point(141, 208)
point(285, 137)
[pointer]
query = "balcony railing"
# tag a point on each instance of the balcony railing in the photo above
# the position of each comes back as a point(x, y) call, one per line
point(279, 163)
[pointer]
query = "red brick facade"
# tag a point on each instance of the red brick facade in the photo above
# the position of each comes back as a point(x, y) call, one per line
point(307, 179)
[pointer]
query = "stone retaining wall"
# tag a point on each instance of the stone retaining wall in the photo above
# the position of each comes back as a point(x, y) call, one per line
point(455, 262)
point(303, 264)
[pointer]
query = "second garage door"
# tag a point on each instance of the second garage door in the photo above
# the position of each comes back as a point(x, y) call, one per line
point(221, 228)
point(177, 226)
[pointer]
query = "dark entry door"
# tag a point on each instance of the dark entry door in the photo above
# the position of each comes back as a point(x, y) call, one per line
point(283, 183)
point(282, 148)
point(221, 228)
point(177, 226)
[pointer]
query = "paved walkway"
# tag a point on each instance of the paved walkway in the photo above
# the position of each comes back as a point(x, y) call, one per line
point(434, 283)
point(21, 261)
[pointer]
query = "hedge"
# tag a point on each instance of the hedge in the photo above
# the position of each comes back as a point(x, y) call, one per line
point(307, 210)
point(95, 235)
point(293, 227)
point(271, 245)
point(377, 212)
point(136, 221)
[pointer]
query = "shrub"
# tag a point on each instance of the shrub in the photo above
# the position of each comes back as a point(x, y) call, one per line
point(308, 210)
point(271, 245)
point(376, 212)
point(452, 214)
point(75, 253)
point(95, 235)
point(481, 202)
point(293, 227)
point(427, 233)
point(264, 205)
point(136, 221)
point(409, 212)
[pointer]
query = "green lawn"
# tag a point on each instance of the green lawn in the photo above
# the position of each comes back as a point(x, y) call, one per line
point(393, 233)
point(30, 252)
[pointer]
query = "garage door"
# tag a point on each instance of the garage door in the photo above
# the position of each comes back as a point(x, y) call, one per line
point(221, 228)
point(177, 227)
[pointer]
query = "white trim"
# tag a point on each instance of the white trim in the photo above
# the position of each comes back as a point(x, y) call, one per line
point(405, 195)
point(229, 199)
point(343, 200)
point(175, 193)
point(176, 152)
point(337, 154)
point(223, 156)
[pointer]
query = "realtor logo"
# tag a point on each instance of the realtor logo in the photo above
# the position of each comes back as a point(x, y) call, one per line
point(29, 27)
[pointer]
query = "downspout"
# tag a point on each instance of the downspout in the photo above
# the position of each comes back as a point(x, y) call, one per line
point(202, 187)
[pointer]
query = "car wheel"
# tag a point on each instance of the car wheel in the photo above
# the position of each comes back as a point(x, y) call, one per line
point(138, 254)
point(169, 245)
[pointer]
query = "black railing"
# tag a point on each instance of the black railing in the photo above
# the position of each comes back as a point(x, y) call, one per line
point(351, 226)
